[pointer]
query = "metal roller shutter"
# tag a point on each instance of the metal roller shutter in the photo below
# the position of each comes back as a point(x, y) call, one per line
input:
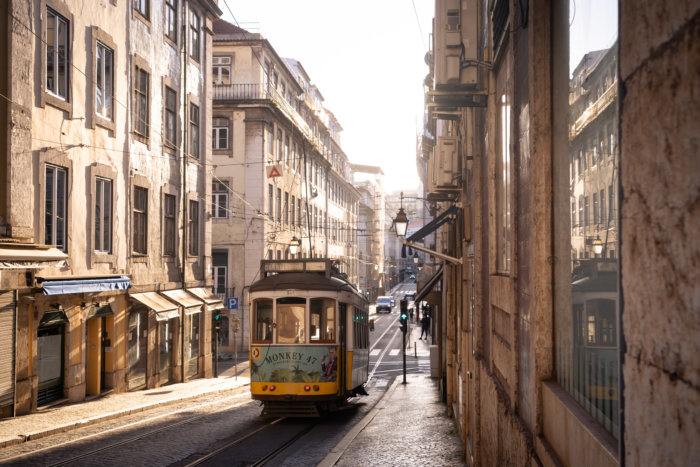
point(7, 348)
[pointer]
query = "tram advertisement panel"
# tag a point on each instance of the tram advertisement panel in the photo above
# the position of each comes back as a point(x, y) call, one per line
point(293, 364)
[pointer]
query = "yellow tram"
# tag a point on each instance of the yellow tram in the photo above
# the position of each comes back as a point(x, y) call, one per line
point(310, 338)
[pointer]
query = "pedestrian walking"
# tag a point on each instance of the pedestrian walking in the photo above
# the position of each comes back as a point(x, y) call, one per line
point(424, 327)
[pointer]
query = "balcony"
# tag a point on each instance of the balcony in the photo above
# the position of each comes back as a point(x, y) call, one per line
point(246, 92)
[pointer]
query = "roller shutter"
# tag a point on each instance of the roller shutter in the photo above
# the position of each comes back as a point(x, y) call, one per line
point(7, 348)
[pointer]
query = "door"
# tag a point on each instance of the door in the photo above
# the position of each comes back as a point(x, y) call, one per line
point(137, 350)
point(165, 339)
point(50, 363)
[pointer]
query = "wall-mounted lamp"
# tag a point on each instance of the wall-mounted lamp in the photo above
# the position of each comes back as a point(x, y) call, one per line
point(401, 223)
point(415, 258)
point(294, 245)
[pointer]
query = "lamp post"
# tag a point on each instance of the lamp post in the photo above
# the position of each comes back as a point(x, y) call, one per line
point(415, 258)
point(401, 223)
point(597, 245)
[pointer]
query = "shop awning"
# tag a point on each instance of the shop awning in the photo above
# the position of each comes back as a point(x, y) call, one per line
point(164, 309)
point(206, 296)
point(97, 311)
point(59, 285)
point(53, 318)
point(30, 256)
point(428, 286)
point(191, 304)
point(447, 215)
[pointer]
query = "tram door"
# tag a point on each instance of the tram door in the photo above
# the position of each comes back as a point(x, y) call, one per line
point(342, 363)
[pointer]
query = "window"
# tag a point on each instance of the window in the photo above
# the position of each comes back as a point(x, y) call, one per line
point(220, 279)
point(194, 131)
point(171, 20)
point(141, 102)
point(221, 71)
point(270, 201)
point(292, 215)
point(57, 54)
point(270, 141)
point(219, 133)
point(219, 203)
point(169, 225)
point(286, 207)
point(140, 220)
point(587, 304)
point(143, 7)
point(278, 217)
point(104, 82)
point(278, 149)
point(322, 324)
point(193, 229)
point(290, 319)
point(170, 117)
point(103, 215)
point(286, 150)
point(299, 212)
point(194, 35)
point(55, 207)
point(262, 319)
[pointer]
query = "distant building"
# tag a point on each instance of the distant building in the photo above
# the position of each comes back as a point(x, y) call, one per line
point(281, 174)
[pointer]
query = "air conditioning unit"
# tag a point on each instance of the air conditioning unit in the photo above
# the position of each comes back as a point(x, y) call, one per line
point(455, 35)
point(446, 163)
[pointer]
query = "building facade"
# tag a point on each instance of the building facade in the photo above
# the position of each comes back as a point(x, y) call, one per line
point(568, 278)
point(110, 168)
point(281, 174)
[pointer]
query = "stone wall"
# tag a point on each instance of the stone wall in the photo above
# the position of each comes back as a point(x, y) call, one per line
point(660, 176)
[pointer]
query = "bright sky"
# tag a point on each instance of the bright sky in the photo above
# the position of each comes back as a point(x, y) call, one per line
point(367, 59)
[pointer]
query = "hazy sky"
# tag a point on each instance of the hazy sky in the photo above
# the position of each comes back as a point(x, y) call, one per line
point(367, 59)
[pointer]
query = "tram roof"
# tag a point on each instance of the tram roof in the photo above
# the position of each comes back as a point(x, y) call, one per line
point(302, 281)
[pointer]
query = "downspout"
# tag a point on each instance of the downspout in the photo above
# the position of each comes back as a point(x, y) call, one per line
point(183, 180)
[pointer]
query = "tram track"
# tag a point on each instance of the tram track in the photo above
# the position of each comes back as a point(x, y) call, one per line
point(132, 439)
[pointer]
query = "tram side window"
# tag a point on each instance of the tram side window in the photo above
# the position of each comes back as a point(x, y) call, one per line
point(322, 320)
point(291, 320)
point(262, 320)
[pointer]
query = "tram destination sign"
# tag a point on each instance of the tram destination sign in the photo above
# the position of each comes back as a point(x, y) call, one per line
point(293, 364)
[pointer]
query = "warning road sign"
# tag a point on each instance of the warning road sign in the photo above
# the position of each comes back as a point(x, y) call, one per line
point(274, 171)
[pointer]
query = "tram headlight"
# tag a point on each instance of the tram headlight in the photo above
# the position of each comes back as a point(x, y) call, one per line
point(272, 387)
point(307, 388)
point(316, 388)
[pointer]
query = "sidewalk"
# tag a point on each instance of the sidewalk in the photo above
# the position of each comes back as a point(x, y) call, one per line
point(70, 416)
point(409, 426)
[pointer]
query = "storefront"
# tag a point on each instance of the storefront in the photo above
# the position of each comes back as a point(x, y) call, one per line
point(192, 310)
point(167, 319)
point(50, 355)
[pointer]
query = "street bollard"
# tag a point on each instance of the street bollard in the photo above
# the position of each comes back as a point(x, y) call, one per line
point(415, 349)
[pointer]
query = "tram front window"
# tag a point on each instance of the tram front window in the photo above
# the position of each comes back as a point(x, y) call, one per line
point(262, 320)
point(322, 320)
point(290, 320)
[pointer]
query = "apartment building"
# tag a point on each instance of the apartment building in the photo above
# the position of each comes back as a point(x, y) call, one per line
point(105, 259)
point(559, 145)
point(281, 176)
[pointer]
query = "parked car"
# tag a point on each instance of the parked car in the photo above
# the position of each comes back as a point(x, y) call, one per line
point(384, 304)
point(393, 302)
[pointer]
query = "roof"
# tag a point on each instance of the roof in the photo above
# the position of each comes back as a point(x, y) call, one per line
point(302, 281)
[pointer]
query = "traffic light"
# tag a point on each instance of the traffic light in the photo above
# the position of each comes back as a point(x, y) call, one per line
point(403, 317)
point(217, 319)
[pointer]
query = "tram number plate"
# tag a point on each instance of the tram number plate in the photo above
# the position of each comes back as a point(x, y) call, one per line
point(255, 352)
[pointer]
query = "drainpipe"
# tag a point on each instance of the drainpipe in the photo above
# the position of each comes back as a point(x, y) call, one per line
point(183, 179)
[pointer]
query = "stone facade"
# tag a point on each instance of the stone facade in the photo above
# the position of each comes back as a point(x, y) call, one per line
point(566, 334)
point(284, 173)
point(92, 163)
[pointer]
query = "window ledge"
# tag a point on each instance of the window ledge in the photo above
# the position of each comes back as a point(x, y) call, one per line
point(59, 103)
point(139, 258)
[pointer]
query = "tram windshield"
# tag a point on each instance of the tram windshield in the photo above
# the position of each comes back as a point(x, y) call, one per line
point(290, 320)
point(322, 320)
point(262, 319)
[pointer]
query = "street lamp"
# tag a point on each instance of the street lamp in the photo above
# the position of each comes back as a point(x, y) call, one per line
point(415, 258)
point(597, 245)
point(294, 245)
point(401, 223)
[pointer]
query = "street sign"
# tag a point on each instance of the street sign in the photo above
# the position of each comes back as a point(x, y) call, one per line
point(232, 303)
point(274, 171)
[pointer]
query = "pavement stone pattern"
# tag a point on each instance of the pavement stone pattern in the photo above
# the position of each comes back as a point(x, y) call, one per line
point(412, 428)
